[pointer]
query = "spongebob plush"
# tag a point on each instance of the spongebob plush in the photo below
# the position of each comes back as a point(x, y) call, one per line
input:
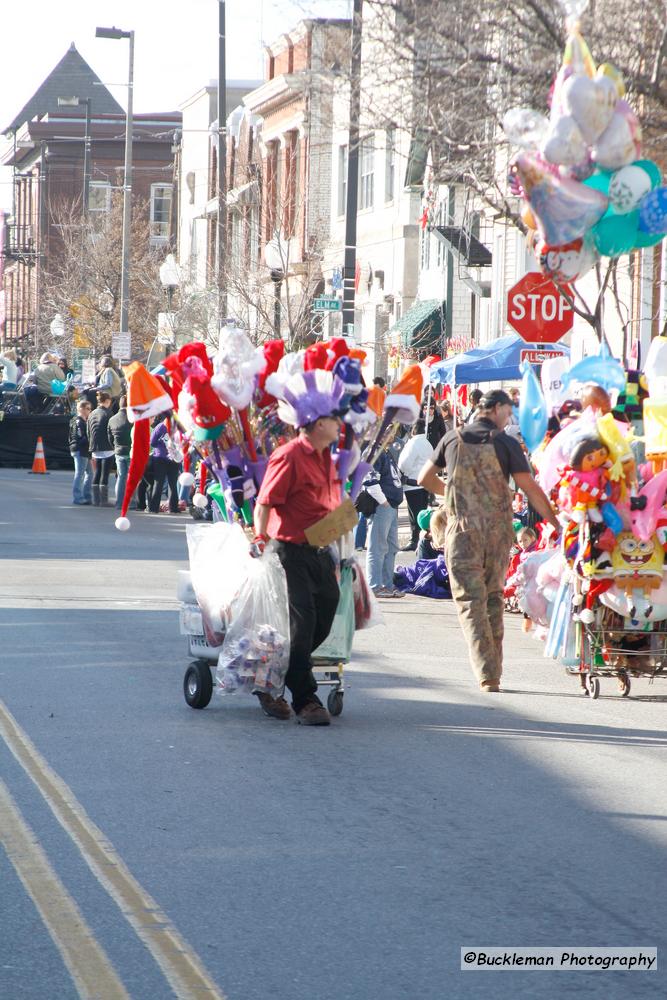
point(637, 565)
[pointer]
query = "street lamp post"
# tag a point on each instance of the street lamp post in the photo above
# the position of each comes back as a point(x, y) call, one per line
point(77, 102)
point(170, 279)
point(127, 178)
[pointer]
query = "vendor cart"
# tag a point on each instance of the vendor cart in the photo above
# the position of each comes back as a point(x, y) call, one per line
point(618, 647)
point(329, 660)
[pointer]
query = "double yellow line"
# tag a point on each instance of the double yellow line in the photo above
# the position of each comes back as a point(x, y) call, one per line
point(89, 966)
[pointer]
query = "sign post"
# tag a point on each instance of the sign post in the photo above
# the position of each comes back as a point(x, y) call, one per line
point(121, 346)
point(537, 310)
point(327, 304)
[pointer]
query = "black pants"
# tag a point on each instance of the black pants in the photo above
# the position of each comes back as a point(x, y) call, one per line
point(164, 469)
point(313, 598)
point(417, 500)
point(103, 467)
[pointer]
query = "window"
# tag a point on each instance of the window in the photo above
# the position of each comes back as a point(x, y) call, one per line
point(366, 173)
point(390, 164)
point(161, 195)
point(342, 179)
point(425, 249)
point(99, 204)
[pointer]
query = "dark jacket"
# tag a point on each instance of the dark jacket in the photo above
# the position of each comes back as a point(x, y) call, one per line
point(385, 473)
point(436, 428)
point(98, 429)
point(78, 437)
point(120, 433)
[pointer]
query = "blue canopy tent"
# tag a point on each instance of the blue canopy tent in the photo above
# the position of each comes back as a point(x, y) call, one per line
point(497, 361)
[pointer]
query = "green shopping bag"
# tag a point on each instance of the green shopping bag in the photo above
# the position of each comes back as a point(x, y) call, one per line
point(338, 644)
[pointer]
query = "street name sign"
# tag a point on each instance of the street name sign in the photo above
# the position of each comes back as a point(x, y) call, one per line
point(326, 304)
point(536, 356)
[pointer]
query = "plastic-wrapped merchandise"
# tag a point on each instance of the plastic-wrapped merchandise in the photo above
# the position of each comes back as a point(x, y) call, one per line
point(255, 652)
point(219, 566)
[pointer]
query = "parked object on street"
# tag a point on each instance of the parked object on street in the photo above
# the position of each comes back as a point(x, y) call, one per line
point(39, 464)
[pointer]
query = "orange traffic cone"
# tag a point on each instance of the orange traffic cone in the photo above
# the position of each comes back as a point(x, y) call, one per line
point(39, 462)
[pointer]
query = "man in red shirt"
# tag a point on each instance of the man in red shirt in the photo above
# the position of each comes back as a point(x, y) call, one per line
point(299, 489)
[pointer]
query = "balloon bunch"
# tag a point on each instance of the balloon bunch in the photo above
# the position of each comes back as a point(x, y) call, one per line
point(587, 191)
point(234, 408)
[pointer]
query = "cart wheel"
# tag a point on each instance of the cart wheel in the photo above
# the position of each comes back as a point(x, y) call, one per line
point(198, 684)
point(335, 702)
point(593, 686)
point(624, 684)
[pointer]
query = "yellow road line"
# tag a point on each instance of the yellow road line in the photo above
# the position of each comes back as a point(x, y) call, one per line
point(180, 965)
point(89, 966)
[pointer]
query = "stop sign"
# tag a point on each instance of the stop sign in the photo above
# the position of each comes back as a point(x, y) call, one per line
point(537, 310)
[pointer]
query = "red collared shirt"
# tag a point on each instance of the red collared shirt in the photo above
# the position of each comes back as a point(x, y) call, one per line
point(300, 486)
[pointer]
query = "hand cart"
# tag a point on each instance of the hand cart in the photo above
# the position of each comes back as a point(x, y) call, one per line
point(328, 661)
point(613, 646)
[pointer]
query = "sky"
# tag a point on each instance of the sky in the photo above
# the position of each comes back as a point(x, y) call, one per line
point(175, 48)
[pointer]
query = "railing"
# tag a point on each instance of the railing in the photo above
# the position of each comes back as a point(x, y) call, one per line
point(19, 243)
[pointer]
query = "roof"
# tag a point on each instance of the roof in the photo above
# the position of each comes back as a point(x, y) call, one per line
point(421, 327)
point(72, 77)
point(464, 245)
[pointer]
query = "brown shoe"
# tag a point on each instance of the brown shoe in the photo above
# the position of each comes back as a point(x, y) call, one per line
point(313, 714)
point(491, 686)
point(275, 708)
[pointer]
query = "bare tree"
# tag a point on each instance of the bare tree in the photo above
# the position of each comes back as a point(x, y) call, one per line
point(83, 275)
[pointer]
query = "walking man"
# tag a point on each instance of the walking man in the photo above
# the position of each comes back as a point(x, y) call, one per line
point(299, 489)
point(479, 460)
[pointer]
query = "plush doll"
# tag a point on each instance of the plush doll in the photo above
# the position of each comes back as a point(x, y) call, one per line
point(584, 482)
point(637, 564)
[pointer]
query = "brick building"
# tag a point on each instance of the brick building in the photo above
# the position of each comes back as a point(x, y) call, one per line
point(45, 148)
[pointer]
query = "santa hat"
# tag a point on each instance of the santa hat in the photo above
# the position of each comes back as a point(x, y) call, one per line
point(337, 348)
point(310, 395)
point(316, 356)
point(376, 397)
point(348, 371)
point(405, 397)
point(273, 351)
point(146, 398)
point(208, 413)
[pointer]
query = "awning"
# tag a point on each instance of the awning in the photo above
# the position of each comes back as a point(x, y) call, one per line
point(422, 326)
point(466, 247)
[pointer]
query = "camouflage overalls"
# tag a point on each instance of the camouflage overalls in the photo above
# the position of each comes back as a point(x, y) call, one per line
point(477, 545)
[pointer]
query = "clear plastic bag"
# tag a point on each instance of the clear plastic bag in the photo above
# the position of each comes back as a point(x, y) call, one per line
point(255, 653)
point(219, 566)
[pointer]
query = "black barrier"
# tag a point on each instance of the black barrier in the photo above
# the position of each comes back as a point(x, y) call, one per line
point(18, 438)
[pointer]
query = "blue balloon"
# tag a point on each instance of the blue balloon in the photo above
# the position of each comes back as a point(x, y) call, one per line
point(601, 369)
point(612, 518)
point(58, 386)
point(653, 211)
point(533, 417)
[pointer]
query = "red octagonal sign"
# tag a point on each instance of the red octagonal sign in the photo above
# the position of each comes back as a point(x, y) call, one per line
point(537, 310)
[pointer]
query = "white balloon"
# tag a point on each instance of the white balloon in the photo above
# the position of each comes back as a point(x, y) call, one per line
point(554, 391)
point(573, 8)
point(627, 188)
point(525, 128)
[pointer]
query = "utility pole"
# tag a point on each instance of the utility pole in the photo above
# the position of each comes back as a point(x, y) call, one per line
point(350, 265)
point(86, 160)
point(221, 259)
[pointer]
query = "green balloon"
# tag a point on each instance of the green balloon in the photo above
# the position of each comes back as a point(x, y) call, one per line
point(600, 180)
point(648, 239)
point(616, 234)
point(652, 169)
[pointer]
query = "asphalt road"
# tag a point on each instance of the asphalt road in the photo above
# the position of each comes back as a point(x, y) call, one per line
point(148, 850)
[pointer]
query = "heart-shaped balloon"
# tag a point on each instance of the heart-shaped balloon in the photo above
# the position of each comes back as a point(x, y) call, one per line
point(563, 208)
point(564, 144)
point(627, 188)
point(591, 103)
point(620, 143)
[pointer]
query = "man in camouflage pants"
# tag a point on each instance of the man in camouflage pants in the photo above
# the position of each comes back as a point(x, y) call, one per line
point(479, 460)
